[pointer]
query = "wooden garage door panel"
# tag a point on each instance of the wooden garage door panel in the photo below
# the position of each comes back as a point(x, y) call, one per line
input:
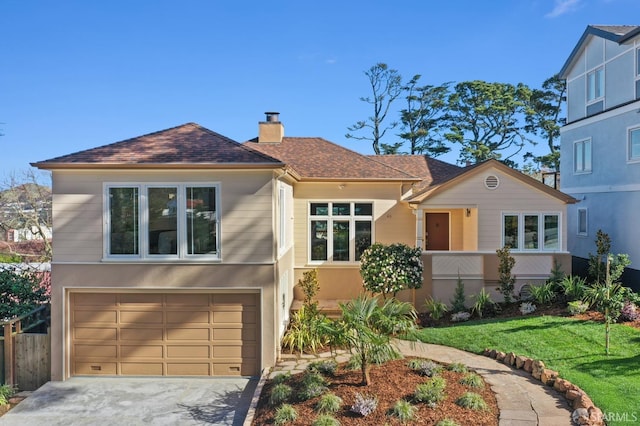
point(164, 334)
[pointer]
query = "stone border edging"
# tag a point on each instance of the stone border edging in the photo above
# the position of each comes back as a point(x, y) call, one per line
point(256, 397)
point(584, 410)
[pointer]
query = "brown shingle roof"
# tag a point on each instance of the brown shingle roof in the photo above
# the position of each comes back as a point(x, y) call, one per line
point(188, 144)
point(429, 170)
point(317, 158)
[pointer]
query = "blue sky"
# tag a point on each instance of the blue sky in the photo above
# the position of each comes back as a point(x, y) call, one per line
point(79, 74)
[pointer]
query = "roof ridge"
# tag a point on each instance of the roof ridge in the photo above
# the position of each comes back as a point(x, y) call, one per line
point(372, 157)
point(239, 144)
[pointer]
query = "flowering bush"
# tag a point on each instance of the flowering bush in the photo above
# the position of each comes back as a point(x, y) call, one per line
point(629, 312)
point(387, 269)
point(460, 316)
point(364, 405)
point(527, 308)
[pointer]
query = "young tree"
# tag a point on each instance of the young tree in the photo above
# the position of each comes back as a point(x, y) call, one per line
point(366, 327)
point(486, 120)
point(424, 118)
point(506, 280)
point(386, 86)
point(545, 120)
point(388, 269)
point(25, 203)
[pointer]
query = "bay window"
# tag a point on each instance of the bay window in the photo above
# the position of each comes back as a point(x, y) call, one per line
point(162, 221)
point(531, 231)
point(339, 231)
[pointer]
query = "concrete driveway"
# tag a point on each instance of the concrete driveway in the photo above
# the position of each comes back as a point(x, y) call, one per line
point(136, 401)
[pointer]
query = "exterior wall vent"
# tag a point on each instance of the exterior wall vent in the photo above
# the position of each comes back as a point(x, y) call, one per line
point(491, 182)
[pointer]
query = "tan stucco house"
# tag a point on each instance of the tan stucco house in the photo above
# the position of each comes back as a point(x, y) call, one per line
point(177, 252)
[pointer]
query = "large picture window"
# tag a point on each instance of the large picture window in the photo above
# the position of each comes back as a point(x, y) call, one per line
point(531, 231)
point(339, 231)
point(162, 221)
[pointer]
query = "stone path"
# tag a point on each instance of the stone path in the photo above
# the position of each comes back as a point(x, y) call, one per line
point(522, 400)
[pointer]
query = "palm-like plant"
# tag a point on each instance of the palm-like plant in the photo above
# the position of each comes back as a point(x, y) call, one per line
point(366, 327)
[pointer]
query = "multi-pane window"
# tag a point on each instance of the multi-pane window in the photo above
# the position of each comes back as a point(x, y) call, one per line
point(339, 231)
point(582, 156)
point(531, 231)
point(634, 144)
point(595, 84)
point(156, 221)
point(582, 222)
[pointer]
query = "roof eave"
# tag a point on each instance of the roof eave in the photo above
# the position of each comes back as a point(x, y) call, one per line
point(589, 31)
point(148, 166)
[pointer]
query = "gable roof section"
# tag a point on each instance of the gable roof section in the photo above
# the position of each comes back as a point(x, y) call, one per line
point(189, 145)
point(317, 159)
point(429, 170)
point(475, 169)
point(616, 33)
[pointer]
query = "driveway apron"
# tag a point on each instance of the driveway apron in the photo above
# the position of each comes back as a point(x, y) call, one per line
point(136, 401)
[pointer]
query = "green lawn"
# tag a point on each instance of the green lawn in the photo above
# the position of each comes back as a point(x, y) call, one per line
point(573, 348)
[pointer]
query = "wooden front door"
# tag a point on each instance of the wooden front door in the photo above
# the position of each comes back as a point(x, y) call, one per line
point(437, 236)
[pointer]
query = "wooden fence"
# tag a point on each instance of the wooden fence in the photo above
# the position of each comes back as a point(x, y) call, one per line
point(25, 350)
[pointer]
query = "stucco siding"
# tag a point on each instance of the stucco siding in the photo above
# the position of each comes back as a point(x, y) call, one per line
point(619, 82)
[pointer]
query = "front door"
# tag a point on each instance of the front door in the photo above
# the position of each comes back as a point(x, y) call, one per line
point(437, 237)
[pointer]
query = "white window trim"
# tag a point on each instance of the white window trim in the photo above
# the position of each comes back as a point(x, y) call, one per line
point(601, 97)
point(586, 219)
point(285, 221)
point(573, 155)
point(631, 160)
point(143, 222)
point(521, 236)
point(352, 229)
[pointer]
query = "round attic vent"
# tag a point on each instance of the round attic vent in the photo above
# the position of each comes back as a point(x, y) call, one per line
point(491, 182)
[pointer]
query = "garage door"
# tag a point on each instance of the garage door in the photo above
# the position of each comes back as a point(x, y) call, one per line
point(164, 334)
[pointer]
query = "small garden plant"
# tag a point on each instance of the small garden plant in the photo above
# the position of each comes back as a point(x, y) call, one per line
point(403, 411)
point(457, 367)
point(472, 380)
point(447, 422)
point(313, 384)
point(431, 392)
point(364, 404)
point(280, 394)
point(472, 401)
point(325, 420)
point(425, 367)
point(527, 308)
point(285, 414)
point(329, 403)
point(435, 308)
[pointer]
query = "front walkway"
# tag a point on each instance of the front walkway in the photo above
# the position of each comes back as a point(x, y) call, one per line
point(522, 400)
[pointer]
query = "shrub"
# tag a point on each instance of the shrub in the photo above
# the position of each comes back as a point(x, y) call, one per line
point(305, 332)
point(459, 299)
point(325, 420)
point(431, 392)
point(285, 414)
point(457, 367)
point(629, 312)
point(577, 307)
point(506, 280)
point(328, 403)
point(447, 422)
point(472, 401)
point(280, 393)
point(573, 287)
point(425, 367)
point(388, 269)
point(21, 291)
point(364, 404)
point(326, 368)
point(527, 308)
point(436, 308)
point(404, 411)
point(483, 303)
point(353, 363)
point(6, 392)
point(281, 378)
point(543, 294)
point(312, 385)
point(472, 380)
point(461, 316)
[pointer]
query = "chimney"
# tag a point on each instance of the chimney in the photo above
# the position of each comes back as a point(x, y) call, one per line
point(271, 130)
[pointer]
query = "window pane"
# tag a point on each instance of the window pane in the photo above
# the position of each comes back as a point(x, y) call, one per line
point(341, 209)
point(201, 220)
point(551, 232)
point(511, 231)
point(341, 240)
point(163, 209)
point(123, 221)
point(582, 221)
point(579, 156)
point(531, 232)
point(587, 155)
point(318, 240)
point(363, 237)
point(320, 209)
point(363, 209)
point(591, 86)
point(634, 141)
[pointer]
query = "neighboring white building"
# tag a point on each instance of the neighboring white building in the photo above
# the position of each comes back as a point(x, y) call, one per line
point(600, 144)
point(28, 234)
